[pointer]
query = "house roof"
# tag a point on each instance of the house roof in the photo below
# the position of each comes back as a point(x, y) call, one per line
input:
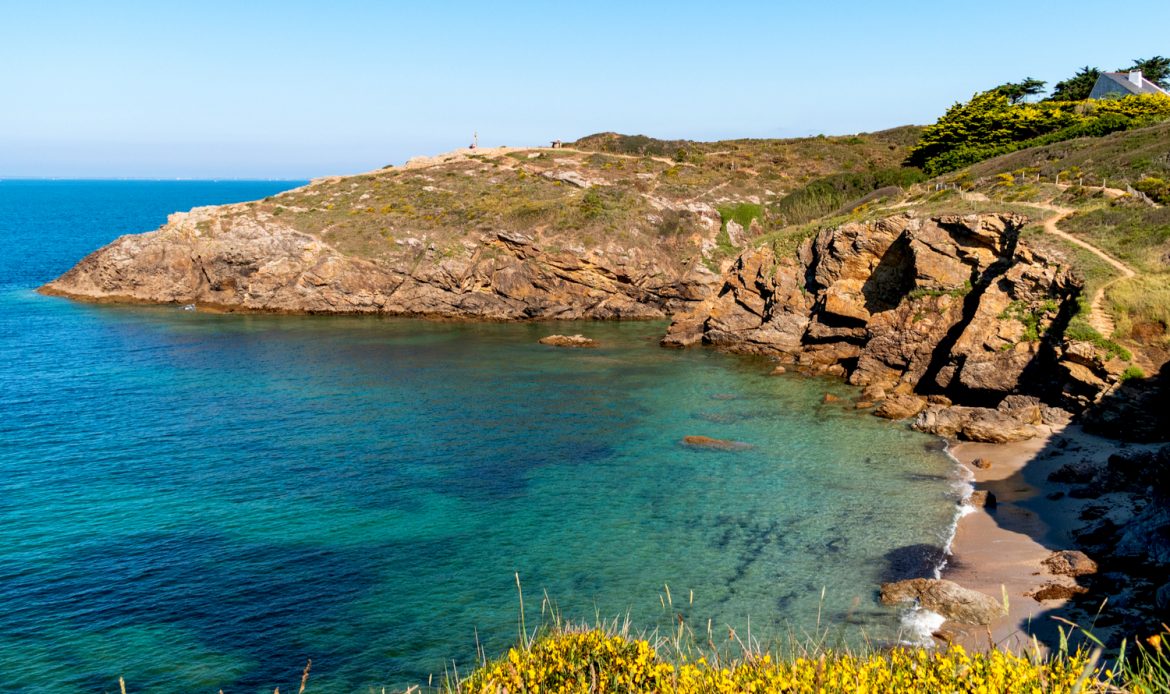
point(1121, 79)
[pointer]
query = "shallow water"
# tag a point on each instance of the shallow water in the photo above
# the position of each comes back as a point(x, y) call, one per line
point(199, 501)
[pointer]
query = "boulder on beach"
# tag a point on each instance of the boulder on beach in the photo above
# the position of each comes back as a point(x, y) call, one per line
point(1056, 591)
point(1070, 562)
point(973, 424)
point(900, 407)
point(981, 498)
point(981, 463)
point(568, 341)
point(947, 598)
point(715, 444)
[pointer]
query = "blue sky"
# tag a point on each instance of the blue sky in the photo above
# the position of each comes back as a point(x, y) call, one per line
point(299, 89)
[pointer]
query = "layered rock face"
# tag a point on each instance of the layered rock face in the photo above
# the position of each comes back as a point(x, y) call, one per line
point(918, 310)
point(216, 259)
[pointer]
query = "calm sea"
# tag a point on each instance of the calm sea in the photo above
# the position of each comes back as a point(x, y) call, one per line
point(196, 502)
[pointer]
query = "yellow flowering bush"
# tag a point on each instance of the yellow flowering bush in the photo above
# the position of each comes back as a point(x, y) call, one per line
point(593, 661)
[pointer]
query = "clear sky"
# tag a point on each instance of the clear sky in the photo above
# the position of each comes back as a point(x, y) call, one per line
point(296, 89)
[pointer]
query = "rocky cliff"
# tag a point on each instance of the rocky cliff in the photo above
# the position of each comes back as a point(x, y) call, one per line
point(255, 262)
point(922, 312)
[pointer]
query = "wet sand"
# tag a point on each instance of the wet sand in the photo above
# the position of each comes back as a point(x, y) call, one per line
point(1000, 550)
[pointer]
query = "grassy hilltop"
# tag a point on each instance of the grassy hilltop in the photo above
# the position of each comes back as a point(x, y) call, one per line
point(601, 186)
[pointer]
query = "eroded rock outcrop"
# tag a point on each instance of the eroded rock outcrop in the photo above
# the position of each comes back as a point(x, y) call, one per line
point(923, 311)
point(222, 258)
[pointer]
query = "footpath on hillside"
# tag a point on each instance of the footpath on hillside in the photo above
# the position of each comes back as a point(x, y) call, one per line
point(1099, 318)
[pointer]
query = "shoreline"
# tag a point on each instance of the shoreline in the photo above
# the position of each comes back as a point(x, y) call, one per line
point(999, 551)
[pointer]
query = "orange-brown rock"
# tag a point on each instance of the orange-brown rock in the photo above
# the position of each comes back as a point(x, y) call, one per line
point(934, 305)
point(1070, 562)
point(715, 444)
point(568, 341)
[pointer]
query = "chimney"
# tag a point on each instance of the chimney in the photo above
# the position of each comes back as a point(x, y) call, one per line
point(1135, 76)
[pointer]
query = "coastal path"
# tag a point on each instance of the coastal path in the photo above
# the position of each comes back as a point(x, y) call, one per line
point(1099, 318)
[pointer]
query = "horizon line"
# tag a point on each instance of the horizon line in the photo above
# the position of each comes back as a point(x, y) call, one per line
point(177, 179)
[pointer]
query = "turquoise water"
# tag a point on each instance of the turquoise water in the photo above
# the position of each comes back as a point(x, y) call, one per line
point(198, 501)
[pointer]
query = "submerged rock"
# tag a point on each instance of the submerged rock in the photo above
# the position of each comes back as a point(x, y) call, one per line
point(715, 444)
point(947, 598)
point(568, 341)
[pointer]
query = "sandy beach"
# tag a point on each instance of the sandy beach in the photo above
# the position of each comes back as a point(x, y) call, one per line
point(1000, 550)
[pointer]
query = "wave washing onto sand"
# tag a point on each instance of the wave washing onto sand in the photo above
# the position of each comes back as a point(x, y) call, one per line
point(920, 624)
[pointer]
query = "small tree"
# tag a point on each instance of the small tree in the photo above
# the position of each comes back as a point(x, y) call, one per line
point(1019, 92)
point(1076, 88)
point(1156, 70)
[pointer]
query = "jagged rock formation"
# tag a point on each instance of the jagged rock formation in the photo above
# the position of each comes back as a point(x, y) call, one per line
point(949, 308)
point(218, 259)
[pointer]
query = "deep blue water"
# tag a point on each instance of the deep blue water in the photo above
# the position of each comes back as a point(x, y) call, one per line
point(198, 501)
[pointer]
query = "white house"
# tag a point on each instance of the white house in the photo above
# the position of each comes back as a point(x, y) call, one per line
point(1115, 85)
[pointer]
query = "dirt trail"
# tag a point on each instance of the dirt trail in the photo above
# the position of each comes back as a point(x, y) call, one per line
point(1099, 318)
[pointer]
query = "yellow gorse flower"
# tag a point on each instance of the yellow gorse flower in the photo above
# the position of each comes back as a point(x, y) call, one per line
point(592, 661)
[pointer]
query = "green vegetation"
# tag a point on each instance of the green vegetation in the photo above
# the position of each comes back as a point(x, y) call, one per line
point(1141, 308)
point(956, 292)
point(741, 213)
point(1078, 87)
point(1128, 155)
point(1131, 372)
point(1018, 92)
point(1079, 329)
point(1034, 320)
point(830, 194)
point(990, 124)
point(1154, 188)
point(1133, 233)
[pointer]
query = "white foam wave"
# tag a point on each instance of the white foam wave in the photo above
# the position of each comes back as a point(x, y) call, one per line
point(919, 625)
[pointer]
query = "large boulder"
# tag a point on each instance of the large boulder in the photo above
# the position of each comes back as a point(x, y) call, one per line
point(947, 598)
point(1070, 562)
point(974, 424)
point(900, 407)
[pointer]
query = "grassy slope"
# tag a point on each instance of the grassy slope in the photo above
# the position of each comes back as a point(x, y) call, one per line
point(1118, 158)
point(636, 198)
